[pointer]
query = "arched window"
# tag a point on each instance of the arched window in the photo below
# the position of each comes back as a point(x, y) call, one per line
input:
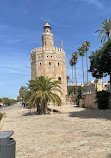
point(49, 63)
point(40, 63)
point(59, 78)
point(58, 64)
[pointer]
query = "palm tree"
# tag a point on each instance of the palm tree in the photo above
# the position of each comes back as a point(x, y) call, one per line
point(71, 63)
point(104, 30)
point(81, 53)
point(86, 46)
point(35, 101)
point(68, 79)
point(44, 90)
point(75, 58)
point(23, 93)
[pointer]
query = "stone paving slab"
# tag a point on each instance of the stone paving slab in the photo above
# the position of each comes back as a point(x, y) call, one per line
point(75, 133)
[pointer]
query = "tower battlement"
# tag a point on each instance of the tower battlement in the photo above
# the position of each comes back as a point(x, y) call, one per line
point(45, 48)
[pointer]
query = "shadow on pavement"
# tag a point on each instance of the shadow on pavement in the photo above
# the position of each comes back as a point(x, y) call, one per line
point(91, 113)
point(35, 113)
point(109, 156)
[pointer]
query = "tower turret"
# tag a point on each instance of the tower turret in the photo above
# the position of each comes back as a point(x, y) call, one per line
point(47, 36)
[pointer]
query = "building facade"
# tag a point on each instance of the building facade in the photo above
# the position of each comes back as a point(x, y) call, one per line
point(49, 61)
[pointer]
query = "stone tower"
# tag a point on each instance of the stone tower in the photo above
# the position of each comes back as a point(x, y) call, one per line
point(49, 61)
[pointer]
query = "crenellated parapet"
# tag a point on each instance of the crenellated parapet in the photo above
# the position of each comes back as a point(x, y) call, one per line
point(35, 50)
point(45, 48)
point(43, 53)
point(59, 50)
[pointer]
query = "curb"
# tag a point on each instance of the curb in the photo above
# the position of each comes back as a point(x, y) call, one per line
point(2, 121)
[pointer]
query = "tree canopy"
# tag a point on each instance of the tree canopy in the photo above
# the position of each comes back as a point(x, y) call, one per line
point(44, 90)
point(104, 30)
point(100, 61)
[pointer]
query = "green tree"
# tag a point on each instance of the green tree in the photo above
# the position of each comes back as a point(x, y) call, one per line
point(81, 53)
point(100, 61)
point(0, 100)
point(18, 98)
point(71, 63)
point(71, 89)
point(6, 100)
point(104, 30)
point(23, 93)
point(102, 99)
point(44, 90)
point(86, 45)
point(68, 79)
point(12, 101)
point(75, 59)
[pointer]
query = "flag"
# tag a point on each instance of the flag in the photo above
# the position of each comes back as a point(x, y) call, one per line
point(62, 43)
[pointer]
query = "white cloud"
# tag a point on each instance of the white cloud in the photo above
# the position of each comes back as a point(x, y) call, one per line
point(97, 3)
point(15, 69)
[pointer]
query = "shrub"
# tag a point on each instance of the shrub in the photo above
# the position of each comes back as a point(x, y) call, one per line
point(12, 101)
point(1, 115)
point(102, 99)
point(6, 101)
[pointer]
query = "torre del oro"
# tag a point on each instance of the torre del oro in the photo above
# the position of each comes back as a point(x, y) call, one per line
point(49, 61)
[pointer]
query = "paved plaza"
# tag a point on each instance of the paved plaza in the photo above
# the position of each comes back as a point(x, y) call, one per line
point(73, 133)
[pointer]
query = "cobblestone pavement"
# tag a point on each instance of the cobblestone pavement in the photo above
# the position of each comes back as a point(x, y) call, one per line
point(75, 133)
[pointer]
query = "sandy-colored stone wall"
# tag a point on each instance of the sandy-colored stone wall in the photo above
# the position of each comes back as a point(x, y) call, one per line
point(89, 101)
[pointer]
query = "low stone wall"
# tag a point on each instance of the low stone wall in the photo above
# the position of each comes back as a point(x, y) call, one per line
point(89, 101)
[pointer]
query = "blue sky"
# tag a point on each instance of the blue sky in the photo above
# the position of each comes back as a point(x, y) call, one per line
point(21, 26)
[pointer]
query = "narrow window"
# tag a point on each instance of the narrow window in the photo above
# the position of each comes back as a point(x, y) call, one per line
point(59, 78)
point(40, 63)
point(47, 56)
point(49, 63)
point(58, 64)
point(51, 56)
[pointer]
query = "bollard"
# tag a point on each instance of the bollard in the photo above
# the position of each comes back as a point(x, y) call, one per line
point(7, 145)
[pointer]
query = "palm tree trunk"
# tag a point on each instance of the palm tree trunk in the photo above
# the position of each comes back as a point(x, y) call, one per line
point(110, 79)
point(72, 74)
point(39, 110)
point(75, 79)
point(87, 66)
point(83, 69)
point(108, 35)
point(45, 110)
point(75, 76)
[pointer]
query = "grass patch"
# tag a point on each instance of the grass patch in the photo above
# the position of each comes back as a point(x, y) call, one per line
point(1, 115)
